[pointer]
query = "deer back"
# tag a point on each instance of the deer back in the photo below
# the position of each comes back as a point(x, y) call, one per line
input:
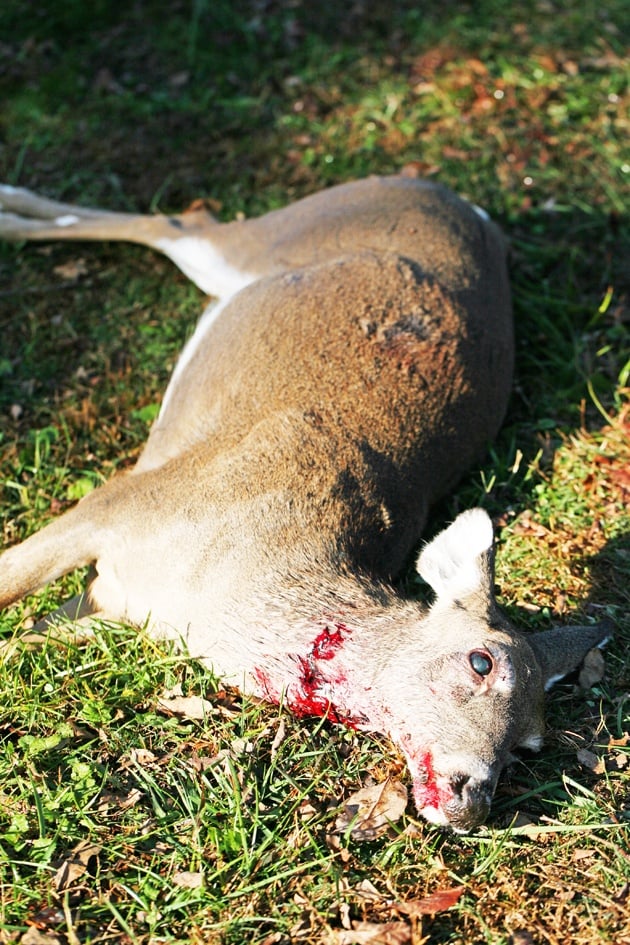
point(383, 332)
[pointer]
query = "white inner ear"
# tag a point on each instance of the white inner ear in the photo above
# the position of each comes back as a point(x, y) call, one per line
point(451, 562)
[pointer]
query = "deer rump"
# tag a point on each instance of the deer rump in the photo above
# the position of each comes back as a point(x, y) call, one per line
point(358, 361)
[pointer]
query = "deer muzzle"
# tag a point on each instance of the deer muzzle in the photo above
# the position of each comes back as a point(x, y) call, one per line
point(459, 799)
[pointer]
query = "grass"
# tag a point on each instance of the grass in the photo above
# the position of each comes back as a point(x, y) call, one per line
point(219, 830)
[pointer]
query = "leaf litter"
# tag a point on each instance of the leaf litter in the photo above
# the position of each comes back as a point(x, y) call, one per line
point(371, 811)
point(81, 860)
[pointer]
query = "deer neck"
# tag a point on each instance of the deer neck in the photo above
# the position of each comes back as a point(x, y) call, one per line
point(330, 665)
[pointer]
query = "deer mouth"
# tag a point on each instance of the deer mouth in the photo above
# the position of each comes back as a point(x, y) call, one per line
point(459, 800)
point(462, 810)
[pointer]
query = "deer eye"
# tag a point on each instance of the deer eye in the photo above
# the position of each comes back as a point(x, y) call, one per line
point(481, 662)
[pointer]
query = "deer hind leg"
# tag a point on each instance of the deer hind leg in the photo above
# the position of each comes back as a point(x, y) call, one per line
point(25, 215)
point(192, 240)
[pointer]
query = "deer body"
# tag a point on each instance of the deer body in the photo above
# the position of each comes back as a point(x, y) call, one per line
point(358, 360)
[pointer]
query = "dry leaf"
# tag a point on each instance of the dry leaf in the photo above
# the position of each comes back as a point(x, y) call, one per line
point(579, 855)
point(34, 937)
point(76, 865)
point(188, 880)
point(278, 738)
point(588, 759)
point(367, 890)
point(118, 801)
point(373, 933)
point(142, 756)
point(525, 524)
point(273, 938)
point(173, 702)
point(202, 762)
point(370, 811)
point(522, 820)
point(131, 799)
point(438, 901)
point(72, 270)
point(619, 742)
point(592, 670)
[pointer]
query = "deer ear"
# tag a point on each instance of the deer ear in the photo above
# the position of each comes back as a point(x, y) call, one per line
point(458, 562)
point(560, 651)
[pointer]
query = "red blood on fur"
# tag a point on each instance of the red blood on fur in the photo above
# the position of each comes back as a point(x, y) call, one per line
point(269, 692)
point(425, 787)
point(328, 642)
point(305, 695)
point(305, 700)
point(428, 793)
point(430, 789)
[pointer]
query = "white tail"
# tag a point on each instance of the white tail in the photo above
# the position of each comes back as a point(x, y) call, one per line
point(358, 359)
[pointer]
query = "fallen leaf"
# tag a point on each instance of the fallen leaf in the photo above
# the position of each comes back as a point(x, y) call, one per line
point(583, 855)
point(369, 812)
point(179, 79)
point(142, 756)
point(202, 762)
point(273, 938)
point(72, 270)
point(522, 820)
point(188, 880)
point(41, 923)
point(419, 168)
point(372, 933)
point(75, 865)
point(525, 524)
point(592, 670)
point(173, 702)
point(344, 916)
point(564, 895)
point(35, 937)
point(367, 890)
point(619, 742)
point(241, 746)
point(588, 759)
point(278, 738)
point(131, 799)
point(438, 901)
point(118, 801)
point(431, 61)
point(45, 918)
point(306, 810)
point(104, 81)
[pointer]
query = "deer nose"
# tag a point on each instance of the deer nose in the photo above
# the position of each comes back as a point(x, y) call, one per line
point(470, 802)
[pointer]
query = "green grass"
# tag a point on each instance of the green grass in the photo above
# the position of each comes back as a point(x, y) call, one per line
point(202, 830)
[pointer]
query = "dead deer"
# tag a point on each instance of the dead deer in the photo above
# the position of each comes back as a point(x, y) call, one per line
point(357, 361)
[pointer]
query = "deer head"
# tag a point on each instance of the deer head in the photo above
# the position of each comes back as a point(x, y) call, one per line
point(464, 688)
